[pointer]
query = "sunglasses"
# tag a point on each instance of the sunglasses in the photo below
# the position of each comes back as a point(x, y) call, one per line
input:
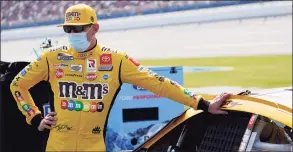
point(75, 29)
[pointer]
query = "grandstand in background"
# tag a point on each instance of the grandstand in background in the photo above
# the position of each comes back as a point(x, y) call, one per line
point(19, 14)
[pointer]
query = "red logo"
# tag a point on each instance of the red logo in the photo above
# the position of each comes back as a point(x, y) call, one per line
point(91, 76)
point(134, 61)
point(30, 112)
point(105, 59)
point(92, 63)
point(64, 104)
point(59, 73)
point(19, 98)
point(93, 107)
point(251, 121)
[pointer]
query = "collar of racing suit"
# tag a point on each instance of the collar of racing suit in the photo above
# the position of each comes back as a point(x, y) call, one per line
point(91, 48)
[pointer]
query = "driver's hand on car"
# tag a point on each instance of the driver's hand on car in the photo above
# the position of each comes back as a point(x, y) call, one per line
point(216, 104)
point(48, 122)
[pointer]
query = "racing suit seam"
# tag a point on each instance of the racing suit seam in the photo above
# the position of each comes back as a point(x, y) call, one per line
point(48, 69)
point(113, 100)
point(51, 93)
point(119, 74)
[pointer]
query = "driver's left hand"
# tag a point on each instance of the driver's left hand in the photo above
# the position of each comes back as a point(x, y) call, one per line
point(216, 104)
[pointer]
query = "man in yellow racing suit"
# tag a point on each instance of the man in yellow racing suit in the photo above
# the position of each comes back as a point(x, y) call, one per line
point(82, 98)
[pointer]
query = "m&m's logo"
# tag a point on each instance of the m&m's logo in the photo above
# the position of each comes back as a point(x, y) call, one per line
point(82, 106)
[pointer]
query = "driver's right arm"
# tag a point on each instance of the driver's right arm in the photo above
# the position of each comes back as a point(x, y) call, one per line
point(33, 73)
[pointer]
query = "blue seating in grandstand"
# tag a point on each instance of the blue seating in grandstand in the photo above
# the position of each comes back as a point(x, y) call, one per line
point(105, 10)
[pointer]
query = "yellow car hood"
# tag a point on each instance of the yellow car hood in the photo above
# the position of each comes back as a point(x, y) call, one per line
point(267, 104)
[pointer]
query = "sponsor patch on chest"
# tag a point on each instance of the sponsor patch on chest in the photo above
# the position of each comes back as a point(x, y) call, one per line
point(86, 91)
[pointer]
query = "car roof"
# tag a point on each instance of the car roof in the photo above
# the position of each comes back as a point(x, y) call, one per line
point(281, 96)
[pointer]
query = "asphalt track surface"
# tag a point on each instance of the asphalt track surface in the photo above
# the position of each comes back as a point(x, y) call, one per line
point(228, 38)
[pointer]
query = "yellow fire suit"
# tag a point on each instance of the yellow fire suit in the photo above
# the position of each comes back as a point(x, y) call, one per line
point(84, 86)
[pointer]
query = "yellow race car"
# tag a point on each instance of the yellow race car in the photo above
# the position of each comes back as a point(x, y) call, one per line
point(256, 122)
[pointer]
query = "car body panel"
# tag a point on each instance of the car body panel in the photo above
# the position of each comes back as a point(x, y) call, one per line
point(174, 123)
point(275, 110)
point(256, 104)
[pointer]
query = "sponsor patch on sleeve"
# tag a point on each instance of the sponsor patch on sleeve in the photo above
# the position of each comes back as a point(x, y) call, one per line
point(136, 63)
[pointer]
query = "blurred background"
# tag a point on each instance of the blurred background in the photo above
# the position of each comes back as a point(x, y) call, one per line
point(220, 44)
point(27, 13)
